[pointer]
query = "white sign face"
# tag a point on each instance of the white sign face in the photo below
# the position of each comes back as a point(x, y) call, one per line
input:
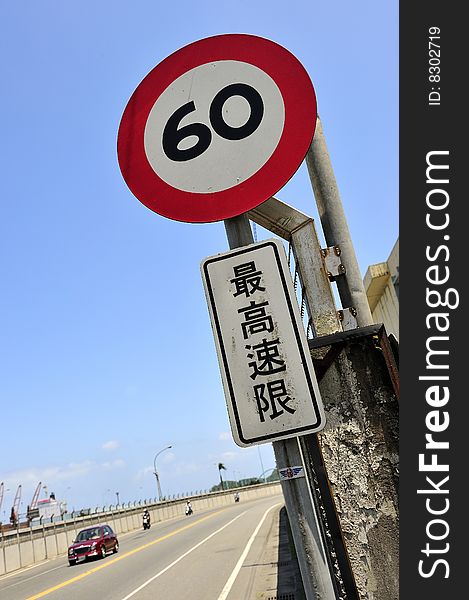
point(269, 381)
point(216, 128)
point(252, 110)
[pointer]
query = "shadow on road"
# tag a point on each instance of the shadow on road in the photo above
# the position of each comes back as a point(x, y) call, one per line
point(289, 584)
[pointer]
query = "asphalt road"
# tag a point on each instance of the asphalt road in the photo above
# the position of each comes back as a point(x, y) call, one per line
point(210, 555)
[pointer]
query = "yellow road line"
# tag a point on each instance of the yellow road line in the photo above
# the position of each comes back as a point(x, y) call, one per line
point(118, 558)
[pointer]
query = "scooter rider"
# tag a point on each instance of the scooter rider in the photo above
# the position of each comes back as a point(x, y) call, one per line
point(188, 508)
point(146, 519)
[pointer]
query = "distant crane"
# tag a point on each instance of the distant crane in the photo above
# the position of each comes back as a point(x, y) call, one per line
point(15, 507)
point(35, 496)
point(33, 510)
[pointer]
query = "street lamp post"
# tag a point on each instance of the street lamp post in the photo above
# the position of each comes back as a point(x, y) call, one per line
point(156, 472)
point(260, 459)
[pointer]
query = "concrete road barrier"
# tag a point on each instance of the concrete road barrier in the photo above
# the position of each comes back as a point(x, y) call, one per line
point(26, 546)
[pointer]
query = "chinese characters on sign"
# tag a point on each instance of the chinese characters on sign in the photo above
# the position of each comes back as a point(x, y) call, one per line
point(266, 354)
point(269, 381)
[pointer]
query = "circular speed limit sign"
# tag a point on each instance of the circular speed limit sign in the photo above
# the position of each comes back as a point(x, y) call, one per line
point(216, 128)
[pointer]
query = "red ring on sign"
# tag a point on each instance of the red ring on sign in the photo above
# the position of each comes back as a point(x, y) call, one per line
point(300, 122)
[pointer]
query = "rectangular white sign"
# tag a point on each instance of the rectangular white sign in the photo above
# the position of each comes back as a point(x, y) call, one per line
point(268, 377)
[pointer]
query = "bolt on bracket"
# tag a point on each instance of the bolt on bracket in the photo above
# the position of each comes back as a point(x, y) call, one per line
point(332, 262)
point(348, 318)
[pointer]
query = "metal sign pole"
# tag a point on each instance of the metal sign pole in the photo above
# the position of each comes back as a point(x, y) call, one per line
point(335, 227)
point(317, 580)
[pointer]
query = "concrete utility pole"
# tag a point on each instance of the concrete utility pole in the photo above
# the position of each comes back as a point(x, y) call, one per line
point(304, 524)
point(358, 449)
point(299, 229)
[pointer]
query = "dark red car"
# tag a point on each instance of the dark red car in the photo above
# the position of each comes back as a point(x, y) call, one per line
point(96, 541)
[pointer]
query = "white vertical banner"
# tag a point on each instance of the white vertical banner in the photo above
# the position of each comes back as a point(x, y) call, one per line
point(270, 386)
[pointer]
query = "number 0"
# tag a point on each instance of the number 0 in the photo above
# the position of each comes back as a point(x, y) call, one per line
point(172, 136)
point(257, 111)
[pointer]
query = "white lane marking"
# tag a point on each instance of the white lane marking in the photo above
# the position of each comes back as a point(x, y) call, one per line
point(181, 557)
point(229, 584)
point(29, 578)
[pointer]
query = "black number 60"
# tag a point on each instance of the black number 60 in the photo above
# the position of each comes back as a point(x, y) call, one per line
point(172, 136)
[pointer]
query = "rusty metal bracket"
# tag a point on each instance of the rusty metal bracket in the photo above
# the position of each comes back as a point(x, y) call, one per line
point(348, 318)
point(333, 262)
point(325, 349)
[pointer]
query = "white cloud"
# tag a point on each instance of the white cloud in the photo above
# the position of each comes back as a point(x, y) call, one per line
point(224, 435)
point(49, 476)
point(110, 445)
point(167, 457)
point(57, 474)
point(142, 473)
point(114, 464)
point(227, 456)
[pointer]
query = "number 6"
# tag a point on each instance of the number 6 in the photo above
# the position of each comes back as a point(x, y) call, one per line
point(172, 136)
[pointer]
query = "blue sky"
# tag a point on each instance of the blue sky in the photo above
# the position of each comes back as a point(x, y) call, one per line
point(106, 353)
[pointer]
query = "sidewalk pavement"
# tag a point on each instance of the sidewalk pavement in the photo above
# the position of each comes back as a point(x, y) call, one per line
point(278, 575)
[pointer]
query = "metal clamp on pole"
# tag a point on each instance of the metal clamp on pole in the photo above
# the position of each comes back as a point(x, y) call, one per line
point(332, 262)
point(348, 318)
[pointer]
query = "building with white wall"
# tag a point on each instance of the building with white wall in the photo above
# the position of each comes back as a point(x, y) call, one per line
point(382, 290)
